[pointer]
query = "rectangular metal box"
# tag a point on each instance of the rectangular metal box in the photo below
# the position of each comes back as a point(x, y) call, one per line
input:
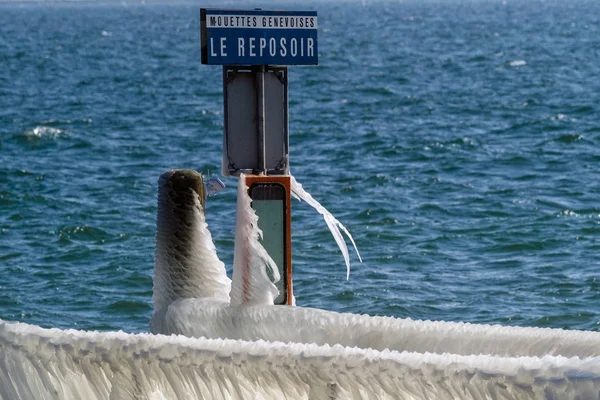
point(240, 139)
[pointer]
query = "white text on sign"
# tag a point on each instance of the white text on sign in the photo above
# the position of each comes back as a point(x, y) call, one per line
point(260, 46)
point(261, 22)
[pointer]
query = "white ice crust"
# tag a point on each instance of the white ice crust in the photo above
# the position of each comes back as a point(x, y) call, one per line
point(250, 349)
point(186, 266)
point(251, 262)
point(206, 318)
point(38, 363)
point(332, 223)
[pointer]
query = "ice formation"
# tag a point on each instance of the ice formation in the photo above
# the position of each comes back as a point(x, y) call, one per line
point(251, 262)
point(308, 325)
point(38, 363)
point(332, 223)
point(186, 262)
point(250, 349)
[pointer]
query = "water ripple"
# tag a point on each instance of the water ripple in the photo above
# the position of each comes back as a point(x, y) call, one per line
point(458, 144)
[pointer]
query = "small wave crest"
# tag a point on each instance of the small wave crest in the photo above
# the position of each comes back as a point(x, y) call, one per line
point(517, 63)
point(44, 132)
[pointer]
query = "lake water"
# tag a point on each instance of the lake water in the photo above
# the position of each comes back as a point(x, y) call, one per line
point(459, 142)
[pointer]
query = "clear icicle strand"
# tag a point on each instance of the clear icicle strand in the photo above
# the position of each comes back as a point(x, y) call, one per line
point(332, 223)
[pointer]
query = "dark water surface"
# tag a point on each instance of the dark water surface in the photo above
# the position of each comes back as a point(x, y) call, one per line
point(458, 141)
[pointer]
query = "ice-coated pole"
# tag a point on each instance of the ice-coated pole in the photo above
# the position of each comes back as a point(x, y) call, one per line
point(180, 195)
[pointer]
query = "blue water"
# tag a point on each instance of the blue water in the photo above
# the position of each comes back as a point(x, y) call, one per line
point(459, 142)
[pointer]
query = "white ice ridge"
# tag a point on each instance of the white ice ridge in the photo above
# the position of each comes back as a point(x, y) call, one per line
point(37, 363)
point(206, 318)
point(186, 261)
point(332, 223)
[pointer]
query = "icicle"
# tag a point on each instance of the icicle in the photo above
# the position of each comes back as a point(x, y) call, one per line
point(251, 262)
point(332, 223)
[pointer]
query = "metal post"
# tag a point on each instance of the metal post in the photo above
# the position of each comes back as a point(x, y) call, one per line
point(260, 117)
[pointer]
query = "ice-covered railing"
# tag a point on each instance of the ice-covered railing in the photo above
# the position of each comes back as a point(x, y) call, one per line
point(38, 363)
point(252, 349)
point(205, 318)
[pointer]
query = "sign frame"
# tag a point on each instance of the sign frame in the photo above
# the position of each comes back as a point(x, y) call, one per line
point(258, 37)
point(285, 182)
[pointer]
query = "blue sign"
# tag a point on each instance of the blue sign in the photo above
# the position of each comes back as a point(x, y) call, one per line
point(257, 37)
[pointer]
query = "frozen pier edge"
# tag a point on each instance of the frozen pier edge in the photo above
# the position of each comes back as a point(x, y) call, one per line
point(38, 363)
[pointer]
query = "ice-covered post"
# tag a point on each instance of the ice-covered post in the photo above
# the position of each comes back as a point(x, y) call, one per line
point(254, 47)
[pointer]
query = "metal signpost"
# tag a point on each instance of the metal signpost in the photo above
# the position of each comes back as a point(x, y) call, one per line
point(254, 47)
